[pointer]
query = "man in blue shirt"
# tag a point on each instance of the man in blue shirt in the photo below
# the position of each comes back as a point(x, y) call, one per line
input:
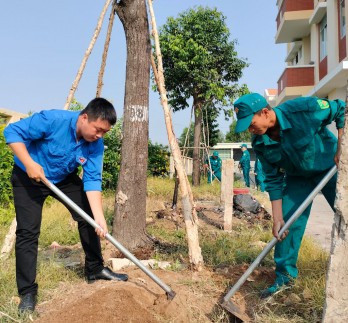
point(51, 145)
point(296, 151)
point(244, 164)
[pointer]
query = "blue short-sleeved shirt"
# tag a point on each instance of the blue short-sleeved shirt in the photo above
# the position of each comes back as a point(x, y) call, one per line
point(306, 147)
point(50, 137)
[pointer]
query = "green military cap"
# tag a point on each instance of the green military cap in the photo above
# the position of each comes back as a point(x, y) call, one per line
point(243, 145)
point(245, 107)
point(215, 153)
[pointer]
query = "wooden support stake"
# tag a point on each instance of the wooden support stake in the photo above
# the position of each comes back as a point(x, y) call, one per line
point(227, 192)
point(9, 240)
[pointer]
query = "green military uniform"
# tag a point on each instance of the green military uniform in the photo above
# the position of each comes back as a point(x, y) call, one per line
point(215, 164)
point(259, 177)
point(245, 165)
point(295, 165)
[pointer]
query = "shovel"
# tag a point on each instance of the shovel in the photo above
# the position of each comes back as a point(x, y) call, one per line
point(227, 304)
point(169, 292)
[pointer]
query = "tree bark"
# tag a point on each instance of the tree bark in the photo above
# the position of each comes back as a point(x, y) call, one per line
point(86, 56)
point(105, 51)
point(336, 302)
point(130, 207)
point(189, 211)
point(196, 171)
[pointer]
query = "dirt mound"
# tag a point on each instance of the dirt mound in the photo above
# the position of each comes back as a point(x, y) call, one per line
point(138, 300)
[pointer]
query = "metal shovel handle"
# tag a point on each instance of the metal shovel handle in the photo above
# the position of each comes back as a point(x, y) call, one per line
point(286, 226)
point(170, 293)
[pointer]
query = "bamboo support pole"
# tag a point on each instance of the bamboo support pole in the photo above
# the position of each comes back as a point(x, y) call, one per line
point(86, 56)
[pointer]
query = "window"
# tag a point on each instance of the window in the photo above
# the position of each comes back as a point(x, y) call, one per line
point(323, 38)
point(342, 18)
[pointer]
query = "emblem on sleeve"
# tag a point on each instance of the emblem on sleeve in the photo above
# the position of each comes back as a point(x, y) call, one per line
point(323, 104)
point(81, 160)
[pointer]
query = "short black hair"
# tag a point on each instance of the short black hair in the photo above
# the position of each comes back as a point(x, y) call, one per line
point(100, 108)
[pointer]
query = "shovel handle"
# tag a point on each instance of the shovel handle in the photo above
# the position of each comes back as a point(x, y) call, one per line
point(170, 293)
point(286, 226)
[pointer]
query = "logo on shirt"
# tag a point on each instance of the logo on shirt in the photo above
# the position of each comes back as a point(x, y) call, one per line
point(323, 104)
point(82, 160)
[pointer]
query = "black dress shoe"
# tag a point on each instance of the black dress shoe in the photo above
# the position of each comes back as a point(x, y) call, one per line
point(106, 274)
point(27, 304)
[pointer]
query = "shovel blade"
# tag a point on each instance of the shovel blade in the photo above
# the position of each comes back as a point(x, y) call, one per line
point(235, 310)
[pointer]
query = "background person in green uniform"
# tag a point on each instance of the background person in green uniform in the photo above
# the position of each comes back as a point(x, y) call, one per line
point(215, 164)
point(296, 150)
point(244, 164)
point(259, 176)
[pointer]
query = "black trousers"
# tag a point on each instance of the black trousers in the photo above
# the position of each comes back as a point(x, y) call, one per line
point(29, 197)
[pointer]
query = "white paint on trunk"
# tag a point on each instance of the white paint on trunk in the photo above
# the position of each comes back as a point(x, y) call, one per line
point(121, 198)
point(138, 113)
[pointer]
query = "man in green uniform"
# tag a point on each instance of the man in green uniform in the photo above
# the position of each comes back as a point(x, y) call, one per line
point(215, 166)
point(259, 176)
point(296, 151)
point(244, 164)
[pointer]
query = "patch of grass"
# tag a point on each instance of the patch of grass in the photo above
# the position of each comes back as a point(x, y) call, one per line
point(57, 225)
point(207, 191)
point(221, 248)
point(160, 187)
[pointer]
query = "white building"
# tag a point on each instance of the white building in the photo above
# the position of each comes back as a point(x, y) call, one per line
point(316, 59)
point(8, 116)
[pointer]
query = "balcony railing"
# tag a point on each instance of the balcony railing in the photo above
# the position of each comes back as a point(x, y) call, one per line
point(293, 5)
point(296, 76)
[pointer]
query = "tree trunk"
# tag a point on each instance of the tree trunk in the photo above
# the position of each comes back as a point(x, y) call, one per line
point(86, 56)
point(196, 171)
point(189, 211)
point(130, 207)
point(336, 302)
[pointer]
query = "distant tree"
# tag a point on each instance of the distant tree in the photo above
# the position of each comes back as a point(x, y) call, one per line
point(158, 164)
point(220, 137)
point(112, 156)
point(75, 105)
point(231, 136)
point(211, 126)
point(201, 62)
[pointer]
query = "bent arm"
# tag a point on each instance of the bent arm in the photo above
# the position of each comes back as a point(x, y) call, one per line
point(33, 169)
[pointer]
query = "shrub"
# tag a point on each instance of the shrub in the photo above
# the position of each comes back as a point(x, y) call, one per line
point(158, 162)
point(6, 163)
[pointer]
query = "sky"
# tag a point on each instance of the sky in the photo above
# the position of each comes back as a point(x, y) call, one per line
point(43, 43)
